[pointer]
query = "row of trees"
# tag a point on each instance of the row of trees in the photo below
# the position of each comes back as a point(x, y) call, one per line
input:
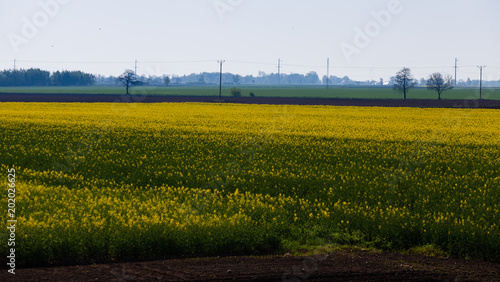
point(311, 78)
point(404, 81)
point(263, 78)
point(72, 78)
point(38, 77)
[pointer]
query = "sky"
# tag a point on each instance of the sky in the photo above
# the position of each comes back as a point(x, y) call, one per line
point(364, 39)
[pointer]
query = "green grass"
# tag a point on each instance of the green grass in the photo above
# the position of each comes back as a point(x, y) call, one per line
point(267, 91)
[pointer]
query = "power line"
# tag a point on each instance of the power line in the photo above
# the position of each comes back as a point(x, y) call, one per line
point(308, 66)
point(110, 62)
point(235, 61)
point(71, 62)
point(177, 62)
point(255, 63)
point(466, 70)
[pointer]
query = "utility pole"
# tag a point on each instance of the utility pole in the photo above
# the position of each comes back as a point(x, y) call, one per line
point(327, 72)
point(279, 70)
point(480, 81)
point(456, 61)
point(220, 80)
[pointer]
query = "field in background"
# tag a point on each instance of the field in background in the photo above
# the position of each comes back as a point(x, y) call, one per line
point(106, 182)
point(266, 91)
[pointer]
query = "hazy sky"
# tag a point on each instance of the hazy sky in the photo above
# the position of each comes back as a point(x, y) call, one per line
point(363, 38)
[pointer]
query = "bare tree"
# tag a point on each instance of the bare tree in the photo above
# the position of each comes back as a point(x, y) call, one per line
point(439, 83)
point(403, 81)
point(166, 80)
point(128, 79)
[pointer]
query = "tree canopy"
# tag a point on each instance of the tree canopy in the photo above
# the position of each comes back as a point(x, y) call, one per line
point(128, 79)
point(403, 81)
point(439, 83)
point(38, 77)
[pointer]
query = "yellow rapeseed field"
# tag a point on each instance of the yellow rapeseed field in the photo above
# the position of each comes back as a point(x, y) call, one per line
point(107, 181)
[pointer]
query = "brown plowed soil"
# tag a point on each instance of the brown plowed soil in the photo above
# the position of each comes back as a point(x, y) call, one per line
point(93, 98)
point(345, 265)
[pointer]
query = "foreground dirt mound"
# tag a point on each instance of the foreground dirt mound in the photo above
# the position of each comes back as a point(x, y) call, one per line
point(347, 265)
point(92, 98)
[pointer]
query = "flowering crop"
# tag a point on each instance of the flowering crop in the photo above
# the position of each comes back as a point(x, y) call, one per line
point(101, 182)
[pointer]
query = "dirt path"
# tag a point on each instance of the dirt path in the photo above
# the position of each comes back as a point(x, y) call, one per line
point(346, 265)
point(92, 98)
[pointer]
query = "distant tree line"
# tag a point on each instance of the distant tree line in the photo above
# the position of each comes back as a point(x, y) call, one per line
point(311, 78)
point(205, 78)
point(38, 77)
